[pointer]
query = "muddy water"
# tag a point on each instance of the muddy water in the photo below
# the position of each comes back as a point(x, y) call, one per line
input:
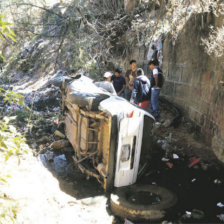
point(67, 174)
point(198, 190)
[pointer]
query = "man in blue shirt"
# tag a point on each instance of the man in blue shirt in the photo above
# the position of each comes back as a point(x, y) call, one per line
point(119, 82)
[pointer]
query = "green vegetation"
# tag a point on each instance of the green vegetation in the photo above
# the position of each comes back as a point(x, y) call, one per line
point(12, 97)
point(5, 32)
point(8, 213)
point(12, 143)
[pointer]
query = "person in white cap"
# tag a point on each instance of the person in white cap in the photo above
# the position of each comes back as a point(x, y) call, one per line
point(107, 85)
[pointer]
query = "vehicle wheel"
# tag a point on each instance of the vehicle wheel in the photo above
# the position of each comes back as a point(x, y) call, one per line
point(88, 100)
point(147, 202)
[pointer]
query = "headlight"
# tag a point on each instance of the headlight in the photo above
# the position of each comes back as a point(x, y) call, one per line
point(125, 152)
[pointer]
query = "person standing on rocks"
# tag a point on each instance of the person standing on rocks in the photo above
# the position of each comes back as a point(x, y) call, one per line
point(129, 78)
point(141, 90)
point(119, 82)
point(156, 84)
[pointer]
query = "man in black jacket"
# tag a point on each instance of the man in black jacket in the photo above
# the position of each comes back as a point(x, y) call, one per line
point(141, 90)
point(118, 82)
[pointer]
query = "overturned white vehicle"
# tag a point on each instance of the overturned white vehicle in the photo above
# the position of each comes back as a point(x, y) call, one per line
point(112, 141)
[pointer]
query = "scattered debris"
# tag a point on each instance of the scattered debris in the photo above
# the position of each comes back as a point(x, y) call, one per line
point(193, 180)
point(60, 164)
point(217, 181)
point(220, 204)
point(170, 165)
point(166, 222)
point(165, 159)
point(49, 156)
point(188, 214)
point(164, 145)
point(47, 99)
point(194, 161)
point(42, 149)
point(204, 166)
point(59, 134)
point(43, 139)
point(169, 138)
point(195, 214)
point(167, 123)
point(126, 221)
point(157, 125)
point(175, 156)
point(221, 217)
point(59, 144)
point(56, 121)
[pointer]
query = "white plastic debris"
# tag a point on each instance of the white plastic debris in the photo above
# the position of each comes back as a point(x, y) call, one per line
point(128, 222)
point(188, 214)
point(221, 217)
point(164, 159)
point(193, 180)
point(164, 146)
point(217, 181)
point(220, 204)
point(157, 124)
point(175, 156)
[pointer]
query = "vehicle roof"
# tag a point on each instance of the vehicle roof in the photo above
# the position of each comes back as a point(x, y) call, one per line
point(119, 106)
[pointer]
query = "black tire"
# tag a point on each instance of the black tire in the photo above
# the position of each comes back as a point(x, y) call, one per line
point(88, 100)
point(122, 207)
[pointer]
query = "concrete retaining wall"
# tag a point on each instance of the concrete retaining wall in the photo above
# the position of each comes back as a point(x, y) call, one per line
point(192, 80)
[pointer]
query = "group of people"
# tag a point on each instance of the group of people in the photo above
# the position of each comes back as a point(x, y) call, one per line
point(136, 87)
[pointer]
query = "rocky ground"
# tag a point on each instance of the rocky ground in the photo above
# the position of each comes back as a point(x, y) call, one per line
point(46, 188)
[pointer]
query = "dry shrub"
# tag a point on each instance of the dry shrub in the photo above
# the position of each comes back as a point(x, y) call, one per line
point(214, 44)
